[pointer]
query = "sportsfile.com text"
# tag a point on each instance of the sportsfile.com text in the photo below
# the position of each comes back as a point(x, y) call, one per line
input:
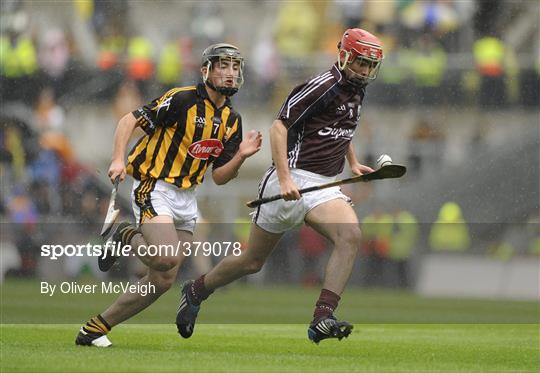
point(204, 248)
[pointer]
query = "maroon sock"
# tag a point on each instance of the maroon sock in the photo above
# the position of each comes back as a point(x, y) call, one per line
point(199, 292)
point(325, 306)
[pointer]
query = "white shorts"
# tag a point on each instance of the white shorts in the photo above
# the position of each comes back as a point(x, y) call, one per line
point(152, 197)
point(280, 216)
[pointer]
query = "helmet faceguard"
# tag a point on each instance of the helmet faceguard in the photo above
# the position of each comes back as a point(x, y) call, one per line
point(225, 55)
point(358, 48)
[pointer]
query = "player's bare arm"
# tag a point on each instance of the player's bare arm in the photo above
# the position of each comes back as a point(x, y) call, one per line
point(356, 167)
point(249, 146)
point(123, 132)
point(278, 140)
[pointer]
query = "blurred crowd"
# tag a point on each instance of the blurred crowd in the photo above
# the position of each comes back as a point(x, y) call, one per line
point(437, 52)
point(44, 187)
point(392, 244)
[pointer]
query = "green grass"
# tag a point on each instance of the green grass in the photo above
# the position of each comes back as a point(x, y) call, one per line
point(22, 303)
point(276, 348)
point(250, 329)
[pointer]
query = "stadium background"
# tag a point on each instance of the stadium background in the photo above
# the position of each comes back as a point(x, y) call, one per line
point(447, 277)
point(457, 101)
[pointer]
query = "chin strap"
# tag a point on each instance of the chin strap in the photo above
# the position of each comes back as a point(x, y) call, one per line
point(225, 91)
point(358, 83)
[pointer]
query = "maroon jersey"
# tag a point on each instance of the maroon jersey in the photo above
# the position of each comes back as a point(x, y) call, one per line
point(321, 116)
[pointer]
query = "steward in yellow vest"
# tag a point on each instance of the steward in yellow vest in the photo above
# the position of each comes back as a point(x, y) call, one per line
point(449, 232)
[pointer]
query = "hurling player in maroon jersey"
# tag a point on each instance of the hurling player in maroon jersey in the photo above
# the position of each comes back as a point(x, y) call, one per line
point(311, 140)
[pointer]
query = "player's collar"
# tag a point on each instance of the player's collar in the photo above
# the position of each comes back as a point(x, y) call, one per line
point(338, 74)
point(201, 92)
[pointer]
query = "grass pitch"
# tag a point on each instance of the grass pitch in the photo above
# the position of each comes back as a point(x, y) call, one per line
point(276, 348)
point(392, 333)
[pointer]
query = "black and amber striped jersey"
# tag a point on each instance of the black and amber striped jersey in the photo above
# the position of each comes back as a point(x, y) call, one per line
point(185, 133)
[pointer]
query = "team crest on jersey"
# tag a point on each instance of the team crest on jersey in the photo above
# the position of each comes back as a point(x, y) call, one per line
point(200, 122)
point(165, 104)
point(204, 149)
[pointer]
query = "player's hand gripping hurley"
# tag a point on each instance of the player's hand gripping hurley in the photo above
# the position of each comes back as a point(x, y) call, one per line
point(391, 171)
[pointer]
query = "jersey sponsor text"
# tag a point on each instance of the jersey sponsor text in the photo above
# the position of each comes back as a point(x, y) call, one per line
point(205, 149)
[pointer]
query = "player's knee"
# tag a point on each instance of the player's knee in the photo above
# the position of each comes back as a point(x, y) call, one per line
point(350, 238)
point(164, 264)
point(161, 280)
point(254, 266)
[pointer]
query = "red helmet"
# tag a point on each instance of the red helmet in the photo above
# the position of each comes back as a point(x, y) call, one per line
point(358, 43)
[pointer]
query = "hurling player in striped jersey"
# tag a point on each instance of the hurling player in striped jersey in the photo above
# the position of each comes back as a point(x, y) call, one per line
point(186, 130)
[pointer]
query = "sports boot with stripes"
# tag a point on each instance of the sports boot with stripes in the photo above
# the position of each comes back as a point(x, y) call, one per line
point(85, 338)
point(328, 327)
point(94, 333)
point(187, 312)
